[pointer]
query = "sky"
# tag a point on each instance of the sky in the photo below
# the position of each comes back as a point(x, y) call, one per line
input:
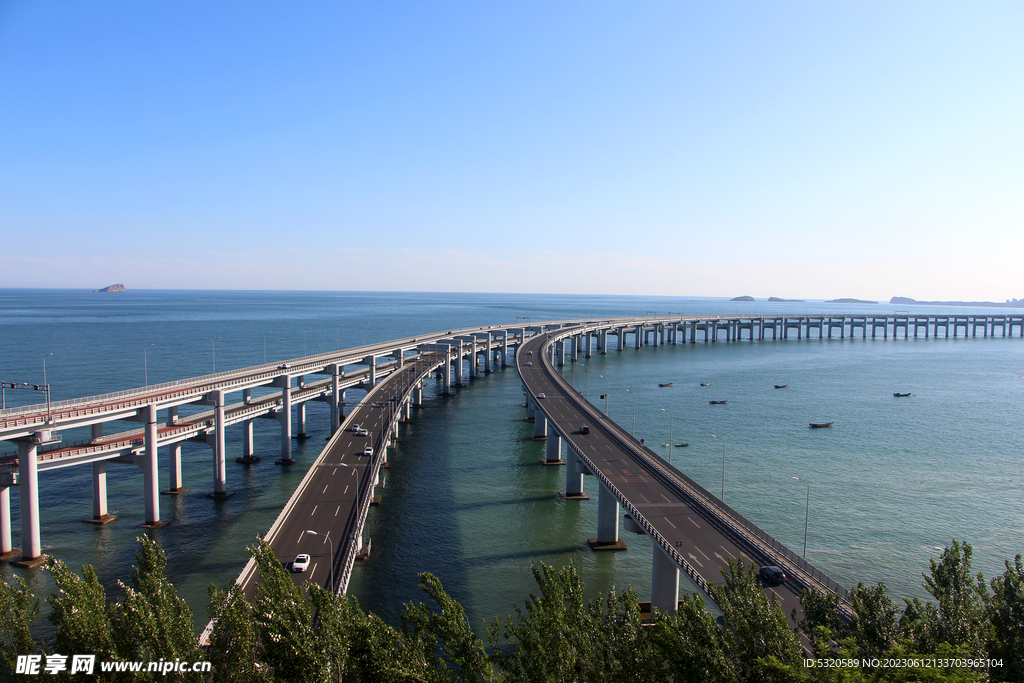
point(794, 149)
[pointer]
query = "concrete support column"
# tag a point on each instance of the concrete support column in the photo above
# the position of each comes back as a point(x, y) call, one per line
point(473, 358)
point(247, 440)
point(577, 340)
point(28, 484)
point(174, 466)
point(459, 372)
point(341, 405)
point(573, 476)
point(588, 348)
point(664, 582)
point(302, 421)
point(531, 408)
point(417, 394)
point(97, 431)
point(220, 448)
point(285, 417)
point(602, 342)
point(607, 522)
point(554, 447)
point(446, 373)
point(371, 361)
point(335, 400)
point(150, 475)
point(407, 410)
point(487, 354)
point(504, 348)
point(6, 542)
point(99, 492)
point(639, 340)
point(657, 335)
point(540, 425)
point(560, 353)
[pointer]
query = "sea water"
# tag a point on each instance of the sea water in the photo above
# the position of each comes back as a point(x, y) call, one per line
point(890, 484)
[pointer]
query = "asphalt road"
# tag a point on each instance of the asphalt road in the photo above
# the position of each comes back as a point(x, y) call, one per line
point(705, 541)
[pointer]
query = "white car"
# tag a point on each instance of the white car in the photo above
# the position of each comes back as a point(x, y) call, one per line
point(541, 395)
point(355, 428)
point(362, 432)
point(368, 450)
point(300, 563)
point(529, 364)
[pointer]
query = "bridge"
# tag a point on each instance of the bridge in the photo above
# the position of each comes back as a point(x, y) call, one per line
point(691, 529)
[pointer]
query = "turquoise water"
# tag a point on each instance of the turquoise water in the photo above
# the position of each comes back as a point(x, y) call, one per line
point(891, 482)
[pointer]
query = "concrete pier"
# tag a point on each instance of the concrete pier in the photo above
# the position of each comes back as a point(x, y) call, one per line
point(664, 582)
point(6, 543)
point(554, 447)
point(285, 417)
point(574, 473)
point(607, 522)
point(220, 490)
point(28, 485)
point(150, 475)
point(99, 495)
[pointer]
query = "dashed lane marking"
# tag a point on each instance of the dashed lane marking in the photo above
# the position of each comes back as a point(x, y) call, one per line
point(336, 511)
point(313, 512)
point(693, 522)
point(325, 490)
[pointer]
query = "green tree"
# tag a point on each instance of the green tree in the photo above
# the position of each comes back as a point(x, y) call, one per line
point(875, 626)
point(18, 609)
point(80, 613)
point(1006, 616)
point(692, 644)
point(234, 639)
point(760, 632)
point(821, 610)
point(961, 599)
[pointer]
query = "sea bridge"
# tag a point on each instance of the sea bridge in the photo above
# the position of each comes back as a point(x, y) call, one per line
point(691, 529)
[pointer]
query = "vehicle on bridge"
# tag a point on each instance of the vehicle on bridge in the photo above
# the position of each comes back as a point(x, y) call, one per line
point(541, 395)
point(368, 451)
point(300, 563)
point(584, 429)
point(772, 575)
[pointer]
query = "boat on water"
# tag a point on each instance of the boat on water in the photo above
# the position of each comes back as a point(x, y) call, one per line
point(781, 386)
point(901, 395)
point(705, 384)
point(717, 403)
point(820, 425)
point(682, 445)
point(666, 384)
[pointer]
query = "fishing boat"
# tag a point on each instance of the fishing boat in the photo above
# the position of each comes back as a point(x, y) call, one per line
point(666, 384)
point(901, 395)
point(682, 445)
point(705, 384)
point(781, 386)
point(717, 403)
point(820, 425)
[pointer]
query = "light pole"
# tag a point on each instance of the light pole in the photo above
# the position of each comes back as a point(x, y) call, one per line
point(265, 346)
point(669, 434)
point(46, 386)
point(145, 362)
point(215, 354)
point(634, 411)
point(723, 464)
point(304, 340)
point(807, 512)
point(328, 537)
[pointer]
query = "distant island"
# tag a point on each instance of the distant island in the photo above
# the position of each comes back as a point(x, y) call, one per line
point(743, 298)
point(779, 299)
point(112, 288)
point(850, 301)
point(1009, 303)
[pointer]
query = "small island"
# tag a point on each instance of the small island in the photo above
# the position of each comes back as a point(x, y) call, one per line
point(778, 299)
point(850, 301)
point(1009, 303)
point(112, 288)
point(743, 298)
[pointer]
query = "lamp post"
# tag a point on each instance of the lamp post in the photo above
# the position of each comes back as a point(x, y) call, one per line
point(46, 387)
point(669, 434)
point(145, 362)
point(215, 354)
point(304, 340)
point(634, 411)
point(723, 464)
point(807, 511)
point(331, 566)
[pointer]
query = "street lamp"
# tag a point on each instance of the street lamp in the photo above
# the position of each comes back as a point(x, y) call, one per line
point(328, 537)
point(145, 362)
point(669, 434)
point(634, 411)
point(304, 340)
point(46, 386)
point(215, 354)
point(723, 464)
point(807, 512)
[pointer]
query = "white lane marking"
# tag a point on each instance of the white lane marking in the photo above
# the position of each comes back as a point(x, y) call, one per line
point(299, 539)
point(642, 496)
point(336, 511)
point(334, 471)
point(670, 522)
point(727, 552)
point(702, 553)
point(693, 523)
point(325, 490)
point(666, 498)
point(313, 512)
point(345, 491)
point(694, 558)
point(311, 572)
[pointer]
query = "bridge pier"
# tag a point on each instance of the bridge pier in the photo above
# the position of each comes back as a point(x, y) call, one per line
point(99, 495)
point(6, 543)
point(285, 417)
point(150, 475)
point(540, 425)
point(417, 394)
point(638, 337)
point(554, 447)
point(574, 472)
point(336, 398)
point(446, 373)
point(664, 581)
point(473, 359)
point(607, 522)
point(301, 410)
point(28, 485)
point(174, 470)
point(220, 447)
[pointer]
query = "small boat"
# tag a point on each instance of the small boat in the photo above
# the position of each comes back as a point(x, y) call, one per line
point(705, 384)
point(717, 403)
point(820, 425)
point(666, 384)
point(781, 386)
point(901, 395)
point(682, 445)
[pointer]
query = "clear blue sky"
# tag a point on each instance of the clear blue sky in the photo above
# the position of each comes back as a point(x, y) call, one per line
point(816, 149)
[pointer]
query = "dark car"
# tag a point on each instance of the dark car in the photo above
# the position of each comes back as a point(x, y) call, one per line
point(772, 575)
point(584, 429)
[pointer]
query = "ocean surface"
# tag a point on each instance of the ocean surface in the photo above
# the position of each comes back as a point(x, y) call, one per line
point(890, 484)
